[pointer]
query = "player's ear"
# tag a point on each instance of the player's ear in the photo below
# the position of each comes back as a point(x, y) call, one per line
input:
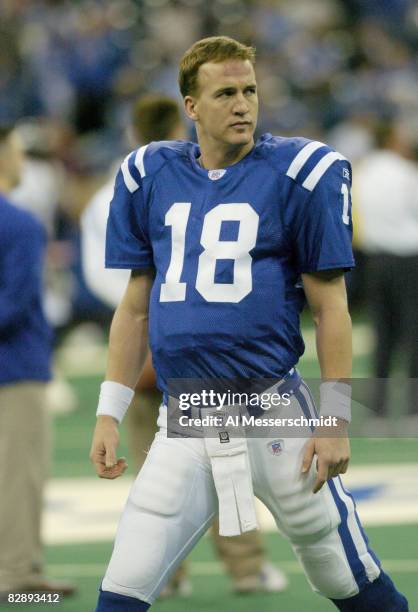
point(190, 107)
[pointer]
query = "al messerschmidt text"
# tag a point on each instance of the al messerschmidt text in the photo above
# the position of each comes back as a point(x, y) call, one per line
point(252, 421)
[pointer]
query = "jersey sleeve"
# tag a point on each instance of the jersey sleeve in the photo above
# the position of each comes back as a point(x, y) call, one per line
point(127, 239)
point(319, 221)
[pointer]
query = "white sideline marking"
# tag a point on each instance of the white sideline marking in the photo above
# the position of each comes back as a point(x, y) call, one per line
point(88, 509)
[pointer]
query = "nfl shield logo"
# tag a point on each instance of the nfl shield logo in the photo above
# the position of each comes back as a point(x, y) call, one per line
point(276, 447)
point(215, 175)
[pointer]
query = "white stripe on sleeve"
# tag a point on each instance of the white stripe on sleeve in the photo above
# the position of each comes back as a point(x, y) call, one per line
point(139, 160)
point(302, 157)
point(130, 182)
point(319, 170)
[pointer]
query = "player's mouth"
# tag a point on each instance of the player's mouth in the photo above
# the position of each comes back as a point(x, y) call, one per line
point(241, 124)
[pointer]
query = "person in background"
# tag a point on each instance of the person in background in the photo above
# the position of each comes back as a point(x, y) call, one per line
point(40, 190)
point(157, 117)
point(25, 350)
point(387, 205)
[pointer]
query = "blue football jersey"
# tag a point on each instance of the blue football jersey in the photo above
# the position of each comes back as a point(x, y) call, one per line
point(228, 247)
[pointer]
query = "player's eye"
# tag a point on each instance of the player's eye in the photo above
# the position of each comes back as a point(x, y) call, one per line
point(225, 94)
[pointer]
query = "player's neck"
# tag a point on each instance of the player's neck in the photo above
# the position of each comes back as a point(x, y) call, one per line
point(216, 157)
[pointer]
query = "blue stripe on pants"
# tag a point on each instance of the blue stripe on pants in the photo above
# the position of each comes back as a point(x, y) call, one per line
point(355, 563)
point(366, 539)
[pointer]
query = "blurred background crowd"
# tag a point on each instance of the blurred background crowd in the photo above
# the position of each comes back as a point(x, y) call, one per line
point(339, 71)
point(70, 71)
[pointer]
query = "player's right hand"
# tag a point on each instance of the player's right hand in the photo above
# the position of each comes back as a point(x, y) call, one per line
point(103, 449)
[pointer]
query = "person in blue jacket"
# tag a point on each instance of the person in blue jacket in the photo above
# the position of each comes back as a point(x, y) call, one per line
point(25, 350)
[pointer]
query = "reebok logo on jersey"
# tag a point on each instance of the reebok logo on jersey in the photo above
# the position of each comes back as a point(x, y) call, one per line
point(276, 447)
point(346, 173)
point(215, 175)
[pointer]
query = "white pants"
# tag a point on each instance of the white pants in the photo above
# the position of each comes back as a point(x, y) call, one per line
point(173, 501)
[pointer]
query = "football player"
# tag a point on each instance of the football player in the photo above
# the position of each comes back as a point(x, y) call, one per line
point(225, 239)
point(157, 117)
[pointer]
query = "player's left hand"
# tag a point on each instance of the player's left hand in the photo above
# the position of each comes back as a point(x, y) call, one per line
point(333, 454)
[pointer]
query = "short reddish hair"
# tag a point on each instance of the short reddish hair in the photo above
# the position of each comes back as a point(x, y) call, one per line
point(213, 49)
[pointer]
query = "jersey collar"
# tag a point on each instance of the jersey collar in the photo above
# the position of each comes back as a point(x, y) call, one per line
point(219, 173)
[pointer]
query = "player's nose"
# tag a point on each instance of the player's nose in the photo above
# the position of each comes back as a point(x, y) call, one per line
point(240, 105)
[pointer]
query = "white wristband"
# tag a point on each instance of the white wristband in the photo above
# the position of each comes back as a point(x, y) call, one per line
point(114, 400)
point(335, 400)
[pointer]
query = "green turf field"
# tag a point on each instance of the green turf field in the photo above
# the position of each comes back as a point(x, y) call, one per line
point(84, 563)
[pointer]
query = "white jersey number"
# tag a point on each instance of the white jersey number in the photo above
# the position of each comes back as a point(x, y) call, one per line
point(177, 216)
point(346, 203)
point(215, 249)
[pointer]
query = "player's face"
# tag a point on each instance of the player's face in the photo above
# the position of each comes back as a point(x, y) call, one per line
point(225, 107)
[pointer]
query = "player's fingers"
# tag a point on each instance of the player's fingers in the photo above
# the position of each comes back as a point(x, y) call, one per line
point(110, 459)
point(322, 475)
point(344, 467)
point(114, 471)
point(339, 468)
point(96, 453)
point(97, 457)
point(308, 456)
point(109, 473)
point(334, 470)
point(121, 465)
